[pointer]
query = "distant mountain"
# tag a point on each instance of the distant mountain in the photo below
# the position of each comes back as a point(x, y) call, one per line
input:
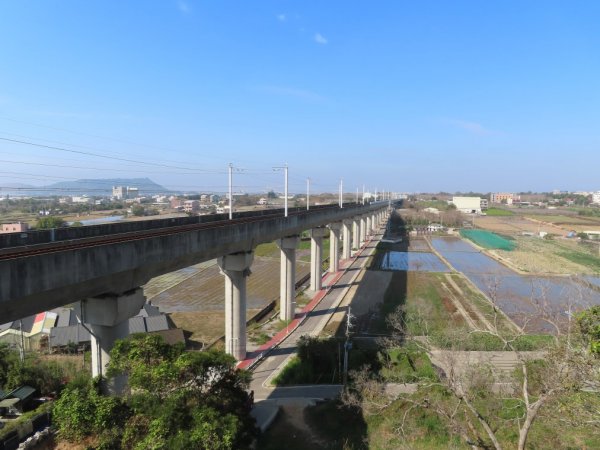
point(91, 187)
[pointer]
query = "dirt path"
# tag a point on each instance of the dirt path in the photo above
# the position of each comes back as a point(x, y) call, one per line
point(472, 309)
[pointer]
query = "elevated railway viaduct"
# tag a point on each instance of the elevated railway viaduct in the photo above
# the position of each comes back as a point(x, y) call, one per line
point(104, 266)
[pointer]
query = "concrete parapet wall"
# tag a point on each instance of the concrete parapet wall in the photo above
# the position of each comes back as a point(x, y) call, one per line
point(34, 237)
point(35, 283)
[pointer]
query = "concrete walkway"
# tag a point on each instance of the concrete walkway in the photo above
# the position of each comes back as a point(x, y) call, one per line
point(461, 361)
point(270, 359)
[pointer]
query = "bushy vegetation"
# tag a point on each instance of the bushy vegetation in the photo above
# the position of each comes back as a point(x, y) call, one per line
point(406, 364)
point(589, 212)
point(320, 361)
point(179, 400)
point(46, 376)
point(48, 222)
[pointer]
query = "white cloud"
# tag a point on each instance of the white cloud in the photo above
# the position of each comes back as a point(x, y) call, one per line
point(183, 6)
point(319, 39)
point(281, 17)
point(471, 127)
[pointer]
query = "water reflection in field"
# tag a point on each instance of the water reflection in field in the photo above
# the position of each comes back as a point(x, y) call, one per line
point(593, 280)
point(515, 294)
point(418, 261)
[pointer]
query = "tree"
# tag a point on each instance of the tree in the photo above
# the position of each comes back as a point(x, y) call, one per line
point(48, 222)
point(589, 324)
point(138, 210)
point(478, 400)
point(178, 399)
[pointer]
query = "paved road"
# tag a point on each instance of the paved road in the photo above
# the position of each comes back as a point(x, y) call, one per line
point(313, 324)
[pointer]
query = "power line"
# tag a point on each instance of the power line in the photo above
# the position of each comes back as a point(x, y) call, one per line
point(64, 166)
point(98, 155)
point(123, 141)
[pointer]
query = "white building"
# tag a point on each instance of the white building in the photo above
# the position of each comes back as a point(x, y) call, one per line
point(82, 199)
point(119, 192)
point(596, 197)
point(469, 205)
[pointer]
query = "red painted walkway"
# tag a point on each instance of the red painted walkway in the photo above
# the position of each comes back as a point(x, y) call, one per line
point(329, 281)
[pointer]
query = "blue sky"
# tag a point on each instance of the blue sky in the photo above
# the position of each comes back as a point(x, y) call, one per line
point(397, 95)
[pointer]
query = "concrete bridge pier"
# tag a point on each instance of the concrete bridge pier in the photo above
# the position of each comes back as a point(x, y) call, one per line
point(235, 267)
point(363, 230)
point(316, 258)
point(369, 223)
point(108, 316)
point(334, 246)
point(287, 287)
point(347, 246)
point(356, 234)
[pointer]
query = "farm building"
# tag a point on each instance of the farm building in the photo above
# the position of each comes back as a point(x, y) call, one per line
point(469, 205)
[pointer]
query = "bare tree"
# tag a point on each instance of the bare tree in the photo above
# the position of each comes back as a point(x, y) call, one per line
point(564, 368)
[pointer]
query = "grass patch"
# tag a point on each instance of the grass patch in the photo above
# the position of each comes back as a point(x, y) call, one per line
point(584, 259)
point(281, 324)
point(260, 339)
point(269, 249)
point(406, 365)
point(499, 212)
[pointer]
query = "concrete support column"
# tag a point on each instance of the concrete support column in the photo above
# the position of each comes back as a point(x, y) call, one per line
point(235, 267)
point(356, 234)
point(363, 230)
point(316, 258)
point(334, 246)
point(108, 318)
point(287, 286)
point(347, 246)
point(369, 222)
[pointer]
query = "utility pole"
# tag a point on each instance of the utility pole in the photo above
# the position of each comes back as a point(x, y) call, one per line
point(347, 344)
point(357, 196)
point(307, 194)
point(342, 193)
point(285, 193)
point(22, 346)
point(363, 202)
point(230, 191)
point(286, 189)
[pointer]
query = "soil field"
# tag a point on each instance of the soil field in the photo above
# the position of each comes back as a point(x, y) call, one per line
point(194, 297)
point(543, 256)
point(205, 290)
point(516, 225)
point(569, 223)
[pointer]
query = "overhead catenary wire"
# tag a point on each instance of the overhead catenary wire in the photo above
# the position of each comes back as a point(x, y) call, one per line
point(99, 155)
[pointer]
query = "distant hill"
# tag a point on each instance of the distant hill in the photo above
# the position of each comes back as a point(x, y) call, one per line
point(91, 187)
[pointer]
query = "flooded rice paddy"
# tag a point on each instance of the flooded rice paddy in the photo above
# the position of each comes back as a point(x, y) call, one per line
point(593, 280)
point(515, 294)
point(413, 261)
